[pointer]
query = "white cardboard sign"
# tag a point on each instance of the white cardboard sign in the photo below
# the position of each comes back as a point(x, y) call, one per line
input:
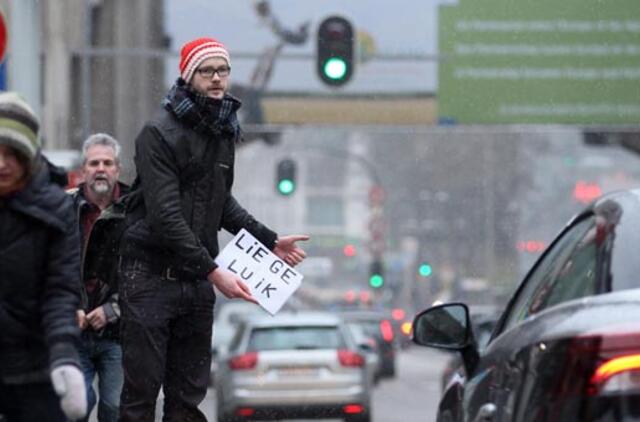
point(271, 280)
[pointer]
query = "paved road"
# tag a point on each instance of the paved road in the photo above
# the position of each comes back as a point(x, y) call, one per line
point(412, 396)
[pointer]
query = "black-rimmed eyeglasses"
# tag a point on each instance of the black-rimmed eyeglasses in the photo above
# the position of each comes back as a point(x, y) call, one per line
point(208, 72)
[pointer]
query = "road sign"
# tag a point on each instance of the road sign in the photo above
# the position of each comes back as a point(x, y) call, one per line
point(531, 63)
point(4, 35)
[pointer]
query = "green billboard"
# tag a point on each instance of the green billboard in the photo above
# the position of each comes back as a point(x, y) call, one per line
point(542, 61)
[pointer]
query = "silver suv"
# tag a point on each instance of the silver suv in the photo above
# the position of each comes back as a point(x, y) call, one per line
point(293, 365)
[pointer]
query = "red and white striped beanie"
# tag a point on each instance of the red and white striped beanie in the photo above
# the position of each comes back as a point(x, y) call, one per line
point(195, 52)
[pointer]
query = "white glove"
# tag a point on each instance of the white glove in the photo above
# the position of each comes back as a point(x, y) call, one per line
point(68, 382)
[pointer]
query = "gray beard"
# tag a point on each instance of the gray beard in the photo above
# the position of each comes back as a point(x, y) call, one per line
point(101, 188)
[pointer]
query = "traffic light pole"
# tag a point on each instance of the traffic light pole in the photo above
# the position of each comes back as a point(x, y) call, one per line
point(376, 205)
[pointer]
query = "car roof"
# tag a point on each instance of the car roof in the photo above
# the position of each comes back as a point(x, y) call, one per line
point(304, 318)
point(601, 205)
point(352, 315)
point(238, 306)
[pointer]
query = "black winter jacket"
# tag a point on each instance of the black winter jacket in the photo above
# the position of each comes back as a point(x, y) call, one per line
point(106, 292)
point(185, 181)
point(39, 280)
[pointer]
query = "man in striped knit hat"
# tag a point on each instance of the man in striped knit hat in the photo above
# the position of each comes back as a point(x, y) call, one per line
point(180, 199)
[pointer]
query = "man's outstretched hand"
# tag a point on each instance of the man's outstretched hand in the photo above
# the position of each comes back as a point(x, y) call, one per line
point(287, 250)
point(230, 285)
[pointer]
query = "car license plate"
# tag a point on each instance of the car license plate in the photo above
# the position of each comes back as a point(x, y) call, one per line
point(296, 371)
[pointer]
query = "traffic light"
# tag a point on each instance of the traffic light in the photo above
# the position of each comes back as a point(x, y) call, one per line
point(349, 250)
point(335, 56)
point(425, 269)
point(286, 177)
point(531, 246)
point(376, 274)
point(586, 192)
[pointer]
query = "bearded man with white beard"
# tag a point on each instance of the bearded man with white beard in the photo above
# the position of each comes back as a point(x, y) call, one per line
point(99, 316)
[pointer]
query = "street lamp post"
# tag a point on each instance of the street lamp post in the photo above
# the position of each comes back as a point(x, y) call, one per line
point(377, 194)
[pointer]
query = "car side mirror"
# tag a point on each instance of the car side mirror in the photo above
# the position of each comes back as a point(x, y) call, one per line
point(447, 327)
point(443, 326)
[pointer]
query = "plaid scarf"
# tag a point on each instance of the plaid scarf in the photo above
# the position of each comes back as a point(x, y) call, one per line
point(208, 116)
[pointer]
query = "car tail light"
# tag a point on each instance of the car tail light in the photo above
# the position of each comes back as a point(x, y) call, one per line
point(607, 363)
point(353, 409)
point(398, 314)
point(616, 375)
point(350, 358)
point(245, 361)
point(245, 411)
point(406, 328)
point(387, 330)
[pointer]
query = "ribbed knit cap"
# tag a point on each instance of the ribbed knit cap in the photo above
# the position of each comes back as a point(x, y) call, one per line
point(193, 53)
point(19, 125)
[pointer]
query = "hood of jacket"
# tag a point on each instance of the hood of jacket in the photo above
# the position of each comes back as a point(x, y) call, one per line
point(38, 200)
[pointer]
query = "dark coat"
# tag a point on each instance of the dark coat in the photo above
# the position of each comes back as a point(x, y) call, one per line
point(103, 268)
point(39, 280)
point(185, 181)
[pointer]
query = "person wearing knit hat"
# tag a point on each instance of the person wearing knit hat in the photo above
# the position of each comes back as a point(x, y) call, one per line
point(40, 376)
point(18, 125)
point(18, 135)
point(195, 52)
point(180, 199)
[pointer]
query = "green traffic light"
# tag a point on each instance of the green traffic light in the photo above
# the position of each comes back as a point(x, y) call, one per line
point(286, 187)
point(425, 270)
point(335, 68)
point(376, 281)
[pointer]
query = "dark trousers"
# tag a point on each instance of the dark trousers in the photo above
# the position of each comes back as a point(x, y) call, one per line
point(35, 402)
point(166, 341)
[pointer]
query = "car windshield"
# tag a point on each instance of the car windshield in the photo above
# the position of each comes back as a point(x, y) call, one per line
point(359, 333)
point(287, 338)
point(370, 328)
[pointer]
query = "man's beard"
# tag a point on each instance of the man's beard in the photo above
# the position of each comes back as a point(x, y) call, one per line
point(101, 187)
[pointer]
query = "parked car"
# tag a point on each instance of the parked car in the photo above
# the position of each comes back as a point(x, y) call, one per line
point(567, 346)
point(293, 365)
point(380, 327)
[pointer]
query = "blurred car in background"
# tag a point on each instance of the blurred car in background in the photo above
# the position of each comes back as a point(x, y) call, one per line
point(380, 327)
point(68, 159)
point(293, 365)
point(368, 346)
point(567, 345)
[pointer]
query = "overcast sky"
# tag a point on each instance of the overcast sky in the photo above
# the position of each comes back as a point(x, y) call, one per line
point(397, 27)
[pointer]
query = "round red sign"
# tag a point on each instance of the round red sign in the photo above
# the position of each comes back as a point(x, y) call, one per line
point(3, 36)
